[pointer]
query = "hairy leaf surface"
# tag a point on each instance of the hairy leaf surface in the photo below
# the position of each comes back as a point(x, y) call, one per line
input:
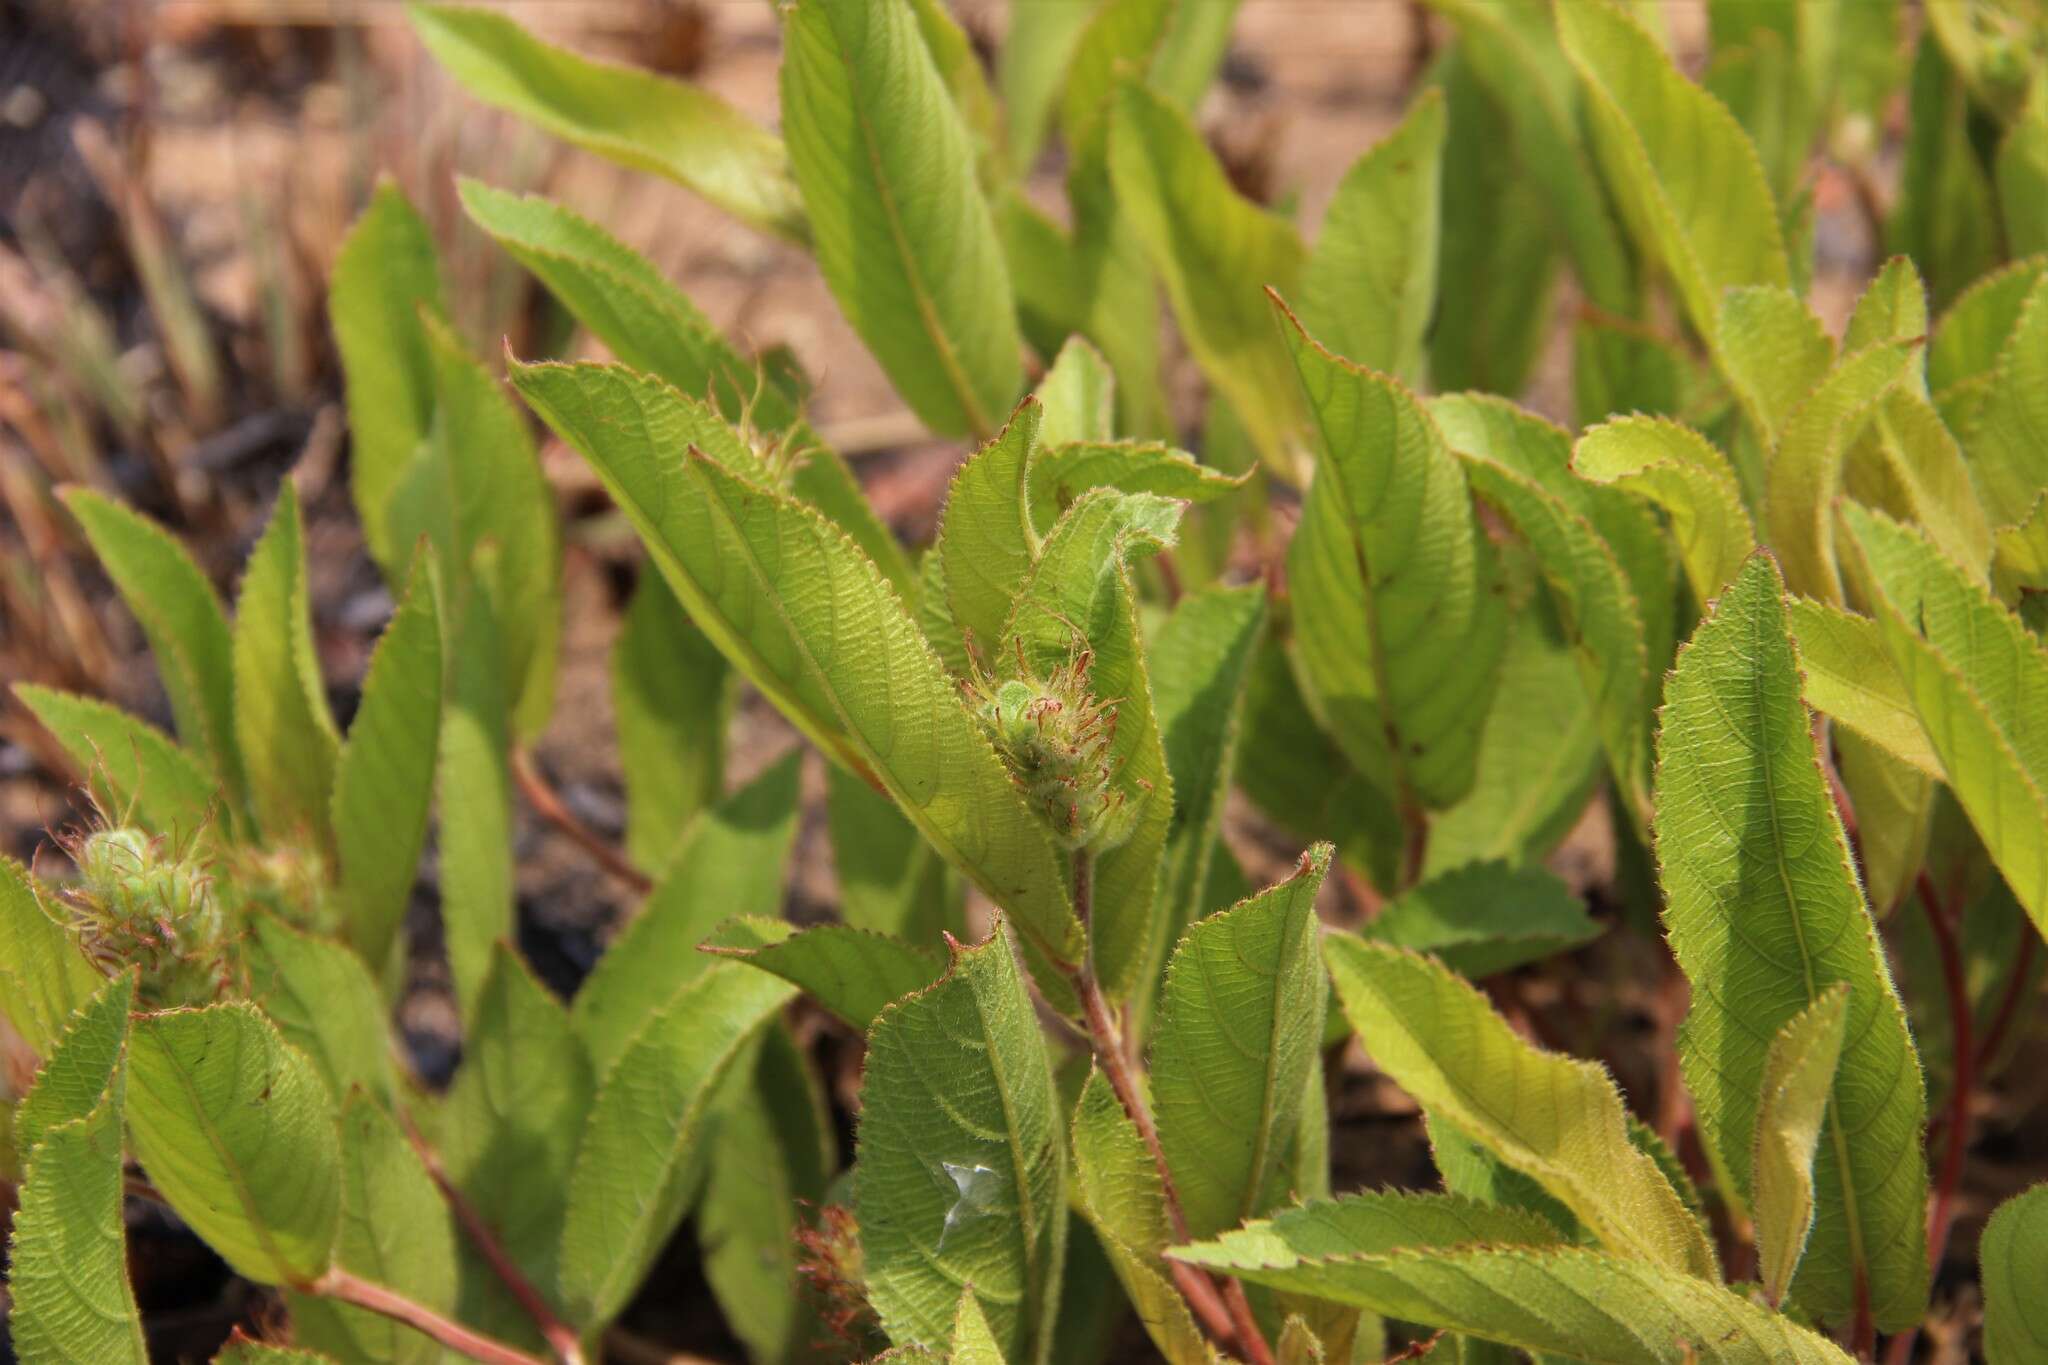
point(1673, 466)
point(2012, 1259)
point(851, 972)
point(1799, 1074)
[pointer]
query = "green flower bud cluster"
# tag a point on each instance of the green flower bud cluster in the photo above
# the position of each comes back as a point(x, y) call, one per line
point(1056, 739)
point(140, 902)
point(290, 882)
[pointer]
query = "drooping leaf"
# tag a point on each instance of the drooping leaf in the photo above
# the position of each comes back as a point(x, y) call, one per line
point(181, 615)
point(514, 1117)
point(395, 1230)
point(1368, 288)
point(960, 1176)
point(385, 276)
point(1119, 1194)
point(1484, 918)
point(1556, 1119)
point(819, 658)
point(1579, 1303)
point(43, 976)
point(771, 1156)
point(851, 972)
point(76, 1077)
point(1215, 251)
point(384, 773)
point(672, 694)
point(2005, 443)
point(634, 117)
point(1799, 1073)
point(1979, 682)
point(1806, 467)
point(1686, 176)
point(67, 1269)
point(324, 1002)
point(890, 880)
point(640, 1157)
point(1199, 661)
point(732, 861)
point(1240, 1019)
point(2012, 1257)
point(282, 725)
point(1081, 584)
point(1846, 674)
point(133, 769)
point(1674, 467)
point(236, 1130)
point(1763, 912)
point(1399, 619)
point(986, 542)
point(901, 231)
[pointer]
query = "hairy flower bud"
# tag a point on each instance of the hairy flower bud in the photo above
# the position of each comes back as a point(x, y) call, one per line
point(140, 902)
point(1055, 737)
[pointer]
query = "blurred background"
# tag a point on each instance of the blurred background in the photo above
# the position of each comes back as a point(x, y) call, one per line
point(175, 178)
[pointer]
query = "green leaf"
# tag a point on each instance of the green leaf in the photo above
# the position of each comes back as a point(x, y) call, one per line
point(1081, 587)
point(634, 117)
point(1774, 351)
point(384, 774)
point(1946, 215)
point(1484, 918)
point(652, 326)
point(385, 277)
point(1686, 176)
point(1672, 466)
point(236, 1130)
point(2013, 1256)
point(1539, 751)
point(1200, 662)
point(772, 1154)
point(1117, 1189)
point(1799, 1075)
point(395, 1229)
point(133, 769)
point(890, 880)
point(851, 972)
point(86, 1061)
point(818, 658)
point(1620, 369)
point(1892, 307)
point(1909, 465)
point(1806, 466)
point(282, 725)
point(1554, 1118)
point(902, 233)
point(959, 1174)
point(1579, 1303)
point(2005, 446)
point(640, 1159)
point(974, 1341)
point(324, 1002)
point(1764, 914)
point(1031, 70)
point(1521, 465)
point(1979, 681)
point(672, 695)
point(1399, 621)
point(1215, 250)
point(1061, 473)
point(1894, 805)
point(67, 1272)
point(986, 543)
point(242, 1350)
point(1963, 355)
point(1240, 1020)
point(1514, 52)
point(181, 616)
point(1845, 673)
point(960, 67)
point(1369, 285)
point(2020, 561)
point(732, 861)
point(474, 769)
point(43, 976)
point(1077, 395)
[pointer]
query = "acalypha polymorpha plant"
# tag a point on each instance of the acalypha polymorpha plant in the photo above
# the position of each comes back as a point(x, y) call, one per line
point(1768, 610)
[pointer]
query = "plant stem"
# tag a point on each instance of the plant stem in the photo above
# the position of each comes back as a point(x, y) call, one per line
point(1962, 1045)
point(560, 1337)
point(1228, 1316)
point(550, 807)
point(343, 1287)
point(2009, 1002)
point(1414, 842)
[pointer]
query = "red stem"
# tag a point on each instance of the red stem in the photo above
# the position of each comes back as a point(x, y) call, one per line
point(560, 1337)
point(2009, 1002)
point(341, 1286)
point(550, 807)
point(1227, 1317)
